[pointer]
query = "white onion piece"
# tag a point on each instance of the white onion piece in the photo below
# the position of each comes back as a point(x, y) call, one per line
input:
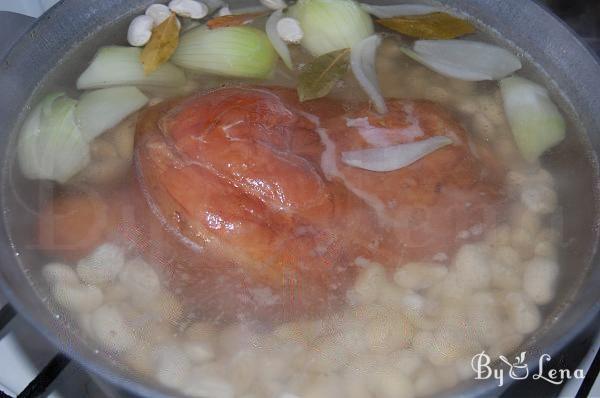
point(464, 59)
point(236, 51)
point(535, 121)
point(399, 10)
point(278, 44)
point(394, 157)
point(51, 146)
point(120, 66)
point(331, 25)
point(101, 110)
point(362, 61)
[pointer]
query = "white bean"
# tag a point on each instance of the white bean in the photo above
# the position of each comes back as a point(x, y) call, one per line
point(506, 275)
point(484, 318)
point(388, 333)
point(289, 30)
point(159, 13)
point(522, 312)
point(472, 266)
point(418, 276)
point(453, 286)
point(449, 344)
point(368, 283)
point(356, 384)
point(499, 236)
point(234, 338)
point(422, 341)
point(523, 241)
point(110, 329)
point(273, 366)
point(224, 11)
point(507, 255)
point(522, 217)
point(393, 296)
point(390, 383)
point(427, 383)
point(60, 273)
point(140, 279)
point(189, 8)
point(299, 332)
point(243, 370)
point(447, 375)
point(328, 356)
point(274, 4)
point(140, 359)
point(199, 385)
point(77, 297)
point(164, 307)
point(199, 352)
point(324, 387)
point(102, 266)
point(539, 198)
point(85, 324)
point(172, 366)
point(546, 249)
point(140, 30)
point(539, 279)
point(408, 361)
point(202, 331)
point(115, 293)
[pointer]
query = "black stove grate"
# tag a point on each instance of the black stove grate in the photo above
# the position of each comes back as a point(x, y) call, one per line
point(40, 384)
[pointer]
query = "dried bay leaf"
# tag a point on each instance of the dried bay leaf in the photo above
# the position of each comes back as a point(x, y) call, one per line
point(233, 20)
point(434, 26)
point(319, 77)
point(162, 45)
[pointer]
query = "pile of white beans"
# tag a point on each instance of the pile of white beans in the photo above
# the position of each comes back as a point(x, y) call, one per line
point(408, 332)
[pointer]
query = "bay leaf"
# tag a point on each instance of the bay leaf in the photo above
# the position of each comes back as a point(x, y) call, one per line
point(318, 78)
point(162, 44)
point(434, 26)
point(233, 20)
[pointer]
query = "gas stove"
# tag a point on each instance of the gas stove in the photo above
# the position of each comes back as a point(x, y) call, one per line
point(31, 367)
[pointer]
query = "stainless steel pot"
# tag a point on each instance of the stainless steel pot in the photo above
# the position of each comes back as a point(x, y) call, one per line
point(62, 40)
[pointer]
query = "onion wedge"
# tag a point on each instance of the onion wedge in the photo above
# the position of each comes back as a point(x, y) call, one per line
point(394, 157)
point(535, 121)
point(399, 10)
point(278, 44)
point(101, 110)
point(362, 61)
point(121, 66)
point(465, 59)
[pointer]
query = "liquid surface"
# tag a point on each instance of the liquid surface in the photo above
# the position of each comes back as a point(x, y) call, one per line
point(218, 245)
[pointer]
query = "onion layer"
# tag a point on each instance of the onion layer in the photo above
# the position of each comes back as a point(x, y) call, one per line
point(465, 59)
point(535, 121)
point(101, 110)
point(331, 25)
point(237, 51)
point(399, 10)
point(362, 61)
point(394, 157)
point(122, 66)
point(51, 146)
point(278, 44)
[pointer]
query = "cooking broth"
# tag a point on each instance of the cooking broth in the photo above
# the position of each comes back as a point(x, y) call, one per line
point(396, 313)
